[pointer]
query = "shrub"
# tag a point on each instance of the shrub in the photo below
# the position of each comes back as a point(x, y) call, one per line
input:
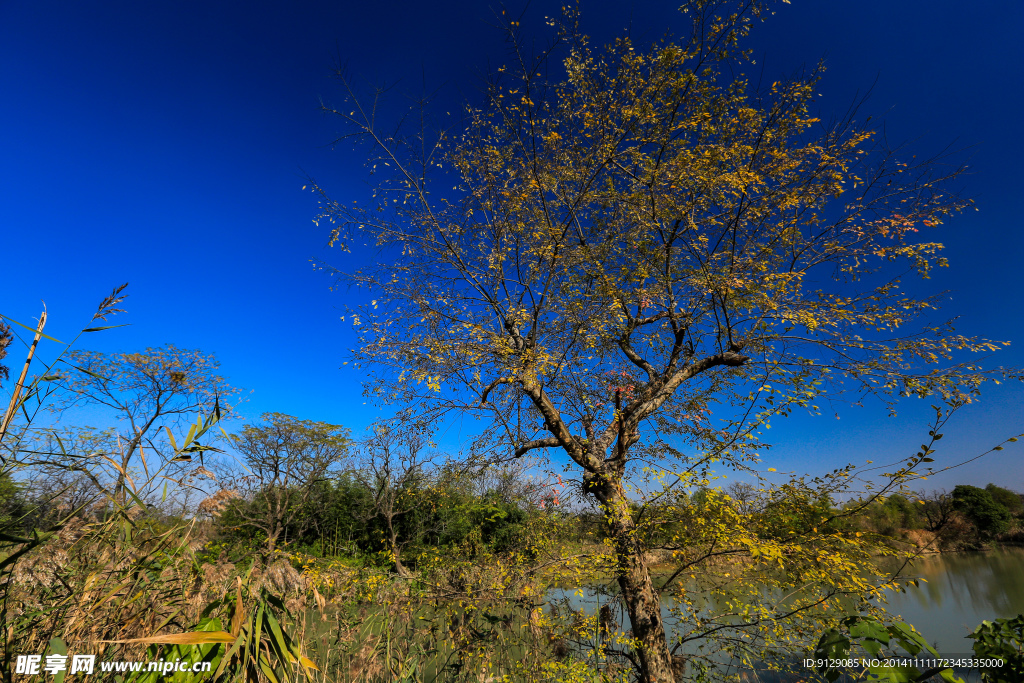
point(980, 508)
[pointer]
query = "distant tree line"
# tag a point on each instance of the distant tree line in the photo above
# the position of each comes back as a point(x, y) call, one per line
point(968, 517)
point(359, 513)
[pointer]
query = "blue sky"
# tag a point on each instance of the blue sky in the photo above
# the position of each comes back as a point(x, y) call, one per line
point(166, 145)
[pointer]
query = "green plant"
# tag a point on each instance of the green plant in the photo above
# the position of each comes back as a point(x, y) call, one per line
point(110, 575)
point(1001, 639)
point(875, 637)
point(989, 517)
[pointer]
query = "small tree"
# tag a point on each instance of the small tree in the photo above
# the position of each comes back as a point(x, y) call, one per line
point(902, 511)
point(938, 509)
point(989, 517)
point(147, 393)
point(286, 458)
point(397, 468)
point(744, 496)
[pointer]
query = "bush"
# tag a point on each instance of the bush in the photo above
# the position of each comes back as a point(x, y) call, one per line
point(12, 504)
point(980, 508)
point(339, 520)
point(1011, 500)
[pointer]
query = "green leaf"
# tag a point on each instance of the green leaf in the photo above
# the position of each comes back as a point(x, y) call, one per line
point(869, 628)
point(194, 638)
point(832, 645)
point(948, 675)
point(910, 640)
point(58, 647)
point(170, 436)
point(105, 327)
point(30, 329)
point(267, 670)
point(896, 674)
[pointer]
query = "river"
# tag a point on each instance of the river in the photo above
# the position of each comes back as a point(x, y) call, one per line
point(959, 591)
point(962, 590)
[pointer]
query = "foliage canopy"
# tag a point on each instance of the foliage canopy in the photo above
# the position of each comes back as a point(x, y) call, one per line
point(639, 257)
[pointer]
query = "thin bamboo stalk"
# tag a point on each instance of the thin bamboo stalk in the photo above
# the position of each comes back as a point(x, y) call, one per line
point(12, 407)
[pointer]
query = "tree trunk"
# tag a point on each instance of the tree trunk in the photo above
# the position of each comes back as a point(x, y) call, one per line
point(272, 535)
point(396, 551)
point(399, 567)
point(642, 600)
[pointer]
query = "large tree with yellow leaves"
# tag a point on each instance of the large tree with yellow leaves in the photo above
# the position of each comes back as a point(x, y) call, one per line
point(636, 258)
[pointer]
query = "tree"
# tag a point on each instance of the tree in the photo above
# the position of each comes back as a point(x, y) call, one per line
point(286, 458)
point(12, 503)
point(938, 509)
point(398, 470)
point(334, 518)
point(989, 517)
point(898, 512)
point(623, 245)
point(1011, 500)
point(148, 393)
point(743, 495)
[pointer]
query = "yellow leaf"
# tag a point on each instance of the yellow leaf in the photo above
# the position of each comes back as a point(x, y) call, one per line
point(195, 638)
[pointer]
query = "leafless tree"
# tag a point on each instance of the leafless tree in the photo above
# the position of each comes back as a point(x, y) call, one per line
point(938, 508)
point(745, 496)
point(397, 466)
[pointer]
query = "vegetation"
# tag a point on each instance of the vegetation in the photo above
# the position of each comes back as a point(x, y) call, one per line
point(382, 560)
point(1000, 641)
point(637, 259)
point(286, 459)
point(642, 263)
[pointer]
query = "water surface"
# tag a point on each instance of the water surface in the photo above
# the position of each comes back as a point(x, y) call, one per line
point(962, 590)
point(959, 591)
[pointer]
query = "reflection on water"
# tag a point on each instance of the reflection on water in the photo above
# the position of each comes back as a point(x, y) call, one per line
point(959, 592)
point(962, 590)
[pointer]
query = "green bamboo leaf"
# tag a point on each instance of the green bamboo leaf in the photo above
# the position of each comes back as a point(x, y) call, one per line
point(232, 651)
point(31, 329)
point(91, 373)
point(277, 638)
point(268, 671)
point(58, 647)
point(170, 436)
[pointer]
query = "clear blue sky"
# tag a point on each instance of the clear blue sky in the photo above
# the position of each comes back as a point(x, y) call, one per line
point(166, 145)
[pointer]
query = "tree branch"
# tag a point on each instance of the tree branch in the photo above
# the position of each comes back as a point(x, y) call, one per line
point(546, 442)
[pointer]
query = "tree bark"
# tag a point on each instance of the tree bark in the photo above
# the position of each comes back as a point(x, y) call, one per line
point(272, 541)
point(396, 552)
point(642, 600)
